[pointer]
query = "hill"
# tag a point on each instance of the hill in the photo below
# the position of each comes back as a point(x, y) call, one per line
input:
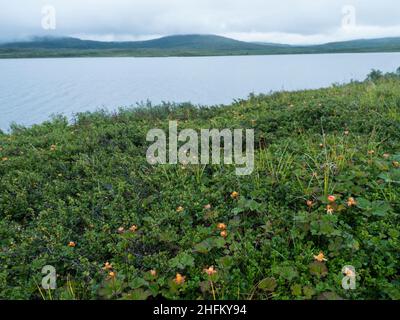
point(182, 45)
point(362, 45)
point(171, 42)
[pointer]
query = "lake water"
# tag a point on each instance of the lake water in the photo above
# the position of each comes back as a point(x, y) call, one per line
point(31, 90)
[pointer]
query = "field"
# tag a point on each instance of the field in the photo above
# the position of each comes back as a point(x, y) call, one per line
point(324, 194)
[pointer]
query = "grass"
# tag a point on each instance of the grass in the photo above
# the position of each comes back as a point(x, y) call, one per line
point(67, 190)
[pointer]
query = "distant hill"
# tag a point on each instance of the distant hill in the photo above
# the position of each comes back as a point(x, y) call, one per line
point(182, 45)
point(200, 42)
point(363, 45)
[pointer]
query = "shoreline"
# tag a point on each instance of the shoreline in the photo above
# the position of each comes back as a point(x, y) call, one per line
point(61, 56)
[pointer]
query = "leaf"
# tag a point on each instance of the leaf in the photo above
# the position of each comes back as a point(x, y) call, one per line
point(377, 208)
point(393, 290)
point(308, 292)
point(296, 290)
point(396, 157)
point(380, 208)
point(154, 289)
point(137, 283)
point(138, 294)
point(209, 244)
point(286, 272)
point(325, 226)
point(363, 203)
point(318, 269)
point(168, 236)
point(182, 260)
point(203, 247)
point(219, 243)
point(226, 262)
point(392, 176)
point(245, 205)
point(237, 210)
point(254, 206)
point(268, 284)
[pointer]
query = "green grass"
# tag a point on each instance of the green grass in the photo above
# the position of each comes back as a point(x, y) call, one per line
point(80, 182)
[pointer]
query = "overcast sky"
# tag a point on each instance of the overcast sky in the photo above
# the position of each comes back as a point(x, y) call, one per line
point(282, 21)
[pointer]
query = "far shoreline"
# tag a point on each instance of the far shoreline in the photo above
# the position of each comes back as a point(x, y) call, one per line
point(195, 55)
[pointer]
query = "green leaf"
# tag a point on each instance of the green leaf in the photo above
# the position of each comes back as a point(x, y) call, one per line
point(325, 226)
point(182, 260)
point(219, 242)
point(392, 176)
point(377, 208)
point(318, 269)
point(286, 272)
point(396, 157)
point(245, 205)
point(138, 294)
point(209, 244)
point(137, 283)
point(296, 290)
point(308, 292)
point(267, 284)
point(363, 203)
point(380, 208)
point(203, 247)
point(226, 262)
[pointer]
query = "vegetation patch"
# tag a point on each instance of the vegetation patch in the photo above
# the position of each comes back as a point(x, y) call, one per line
point(324, 194)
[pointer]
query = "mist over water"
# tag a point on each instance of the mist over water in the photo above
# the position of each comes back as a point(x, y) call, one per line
point(31, 90)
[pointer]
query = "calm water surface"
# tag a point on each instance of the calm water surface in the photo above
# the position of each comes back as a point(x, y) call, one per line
point(31, 90)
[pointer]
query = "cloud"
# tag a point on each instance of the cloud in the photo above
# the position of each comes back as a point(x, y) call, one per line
point(342, 34)
point(285, 21)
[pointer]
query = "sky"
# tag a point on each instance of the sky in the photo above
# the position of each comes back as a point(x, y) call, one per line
point(278, 21)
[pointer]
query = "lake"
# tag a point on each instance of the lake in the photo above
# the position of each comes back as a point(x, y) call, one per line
point(31, 90)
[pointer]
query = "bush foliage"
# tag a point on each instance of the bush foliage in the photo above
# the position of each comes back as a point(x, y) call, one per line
point(81, 197)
